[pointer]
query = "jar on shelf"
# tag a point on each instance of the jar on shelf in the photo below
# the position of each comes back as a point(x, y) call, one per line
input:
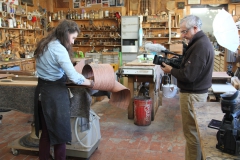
point(106, 15)
point(111, 14)
point(96, 15)
point(52, 16)
point(91, 14)
point(100, 14)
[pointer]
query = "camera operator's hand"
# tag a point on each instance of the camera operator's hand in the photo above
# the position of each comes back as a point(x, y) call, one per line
point(166, 68)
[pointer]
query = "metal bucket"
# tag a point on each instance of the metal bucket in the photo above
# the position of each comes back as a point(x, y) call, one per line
point(142, 110)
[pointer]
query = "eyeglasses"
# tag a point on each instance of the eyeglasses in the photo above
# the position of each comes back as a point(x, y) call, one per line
point(185, 31)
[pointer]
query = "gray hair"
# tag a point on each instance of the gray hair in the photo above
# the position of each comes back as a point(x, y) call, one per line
point(191, 21)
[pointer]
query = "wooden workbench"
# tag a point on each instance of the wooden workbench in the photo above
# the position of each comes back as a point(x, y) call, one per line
point(204, 113)
point(154, 85)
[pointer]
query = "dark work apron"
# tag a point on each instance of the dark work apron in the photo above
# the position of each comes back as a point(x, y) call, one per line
point(55, 103)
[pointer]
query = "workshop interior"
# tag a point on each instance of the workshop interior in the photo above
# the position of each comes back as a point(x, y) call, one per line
point(123, 43)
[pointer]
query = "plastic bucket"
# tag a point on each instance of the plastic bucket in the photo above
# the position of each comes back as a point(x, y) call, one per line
point(142, 111)
point(169, 90)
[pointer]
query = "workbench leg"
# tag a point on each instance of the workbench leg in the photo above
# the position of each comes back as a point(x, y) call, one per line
point(160, 98)
point(131, 105)
point(155, 97)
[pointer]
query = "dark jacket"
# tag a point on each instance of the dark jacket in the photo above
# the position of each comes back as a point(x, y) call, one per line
point(195, 73)
point(55, 103)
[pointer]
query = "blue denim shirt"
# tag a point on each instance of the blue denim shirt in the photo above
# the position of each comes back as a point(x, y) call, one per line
point(55, 62)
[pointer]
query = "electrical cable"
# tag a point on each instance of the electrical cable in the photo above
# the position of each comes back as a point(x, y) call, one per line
point(80, 141)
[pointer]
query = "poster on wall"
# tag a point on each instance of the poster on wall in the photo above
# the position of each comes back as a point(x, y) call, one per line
point(120, 2)
point(194, 1)
point(112, 2)
point(76, 3)
point(82, 3)
point(94, 1)
point(13, 1)
point(88, 3)
point(105, 3)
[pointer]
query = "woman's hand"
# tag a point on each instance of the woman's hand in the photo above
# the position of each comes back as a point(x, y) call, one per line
point(88, 83)
point(91, 83)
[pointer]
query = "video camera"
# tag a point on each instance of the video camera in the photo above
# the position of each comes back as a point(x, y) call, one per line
point(175, 61)
point(228, 135)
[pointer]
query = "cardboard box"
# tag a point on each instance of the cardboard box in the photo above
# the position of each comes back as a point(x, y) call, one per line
point(176, 48)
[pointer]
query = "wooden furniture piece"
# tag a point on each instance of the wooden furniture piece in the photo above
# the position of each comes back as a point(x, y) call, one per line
point(97, 33)
point(161, 29)
point(221, 77)
point(28, 65)
point(137, 72)
point(23, 64)
point(204, 113)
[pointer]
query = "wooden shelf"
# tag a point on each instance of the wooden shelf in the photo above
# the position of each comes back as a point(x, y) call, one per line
point(98, 38)
point(98, 19)
point(99, 30)
point(76, 45)
point(160, 28)
point(161, 37)
point(161, 21)
point(20, 29)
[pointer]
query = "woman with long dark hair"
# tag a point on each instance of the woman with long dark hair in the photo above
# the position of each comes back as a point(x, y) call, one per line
point(52, 102)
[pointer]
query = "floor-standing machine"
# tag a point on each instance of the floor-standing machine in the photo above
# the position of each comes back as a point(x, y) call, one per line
point(85, 138)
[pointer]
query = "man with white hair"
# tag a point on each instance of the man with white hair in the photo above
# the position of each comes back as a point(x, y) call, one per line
point(194, 78)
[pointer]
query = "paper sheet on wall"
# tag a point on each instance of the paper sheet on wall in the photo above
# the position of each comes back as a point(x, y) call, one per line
point(225, 30)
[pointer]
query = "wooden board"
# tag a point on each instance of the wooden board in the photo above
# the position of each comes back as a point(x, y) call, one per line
point(5, 75)
point(222, 88)
point(220, 75)
point(19, 83)
point(136, 63)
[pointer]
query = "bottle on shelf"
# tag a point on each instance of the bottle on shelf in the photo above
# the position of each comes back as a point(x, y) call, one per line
point(4, 6)
point(100, 13)
point(71, 15)
point(62, 14)
point(58, 15)
point(76, 15)
point(68, 14)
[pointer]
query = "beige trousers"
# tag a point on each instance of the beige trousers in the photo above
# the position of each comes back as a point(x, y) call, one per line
point(193, 148)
